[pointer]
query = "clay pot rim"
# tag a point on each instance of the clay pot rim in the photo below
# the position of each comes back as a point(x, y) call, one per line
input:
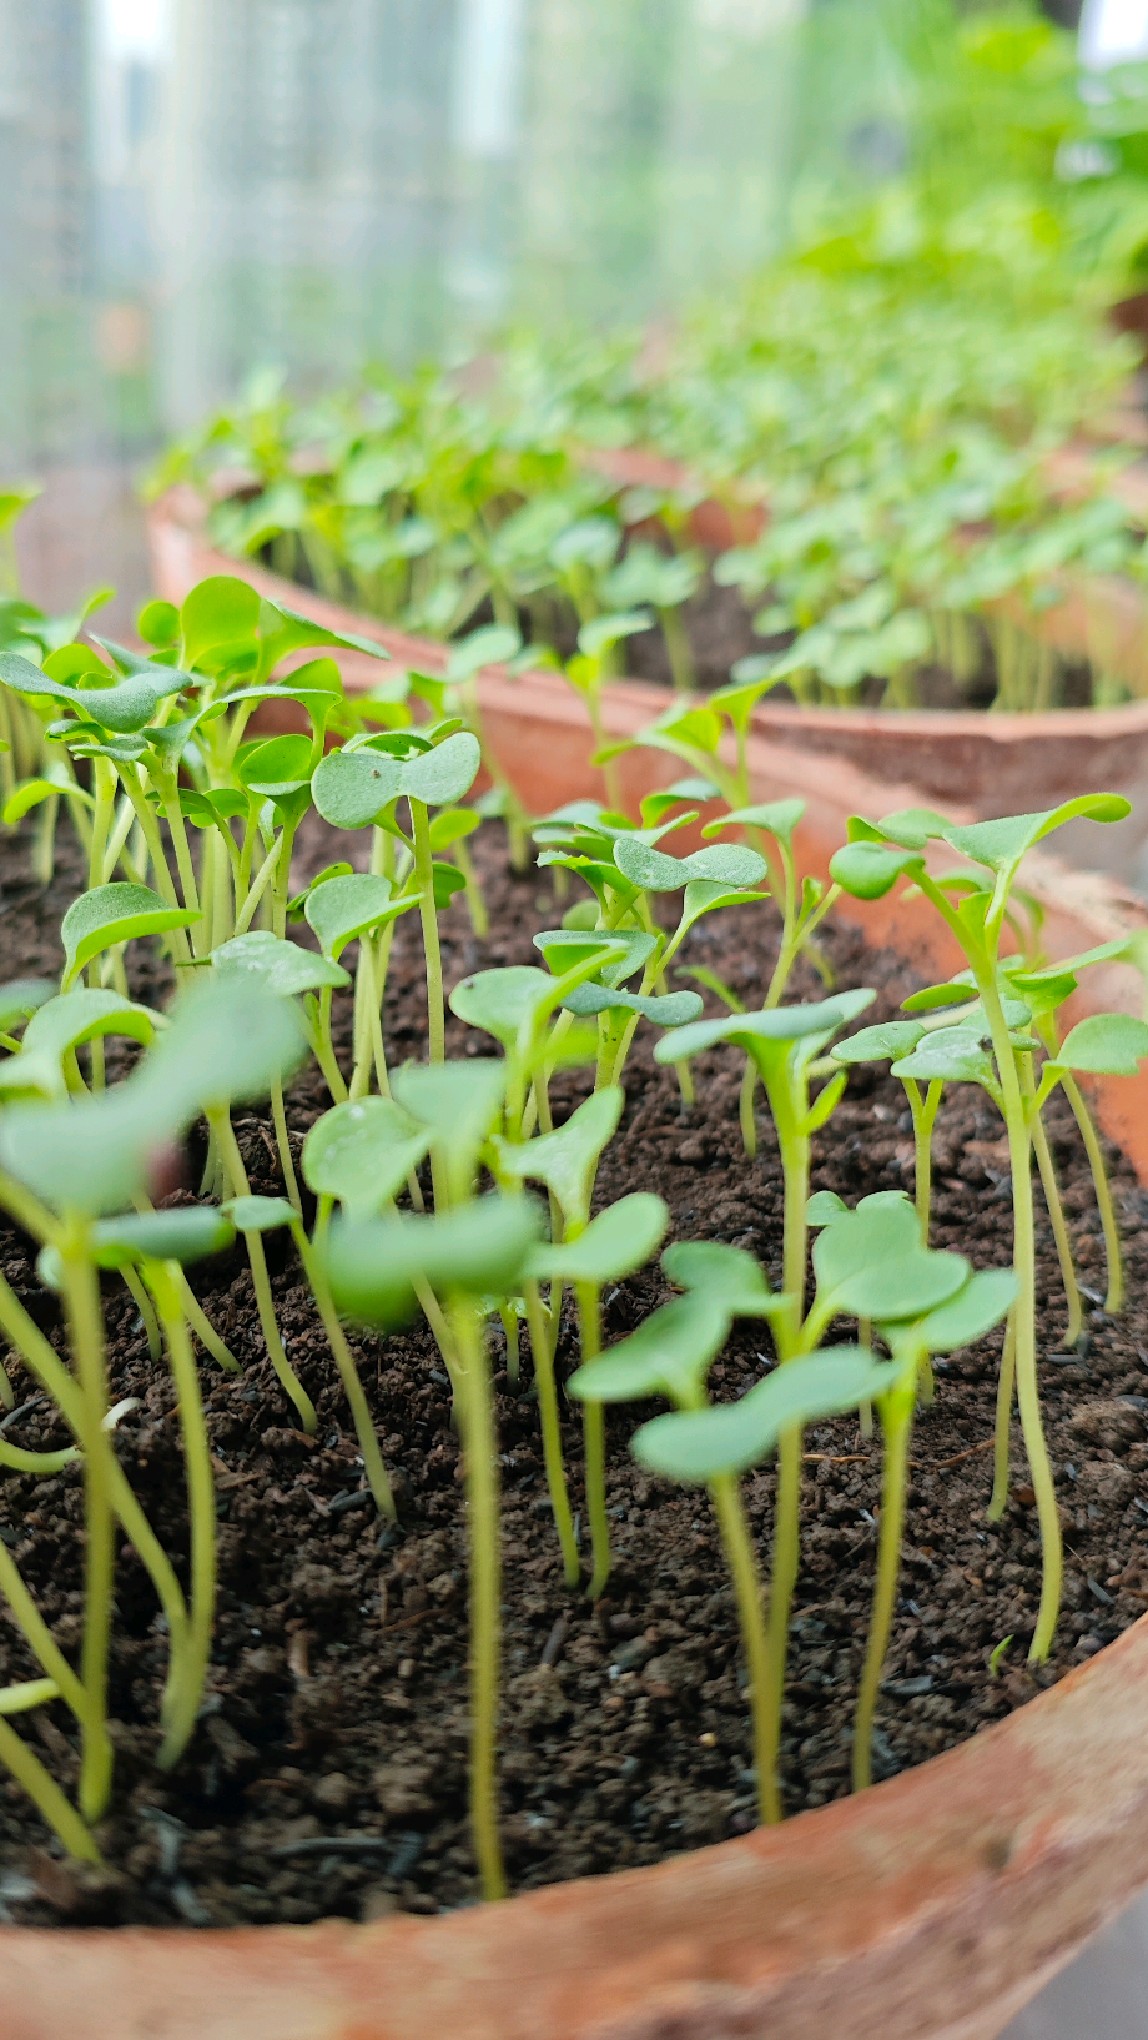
point(863, 1916)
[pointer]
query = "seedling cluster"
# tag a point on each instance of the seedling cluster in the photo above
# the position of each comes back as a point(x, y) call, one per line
point(450, 1187)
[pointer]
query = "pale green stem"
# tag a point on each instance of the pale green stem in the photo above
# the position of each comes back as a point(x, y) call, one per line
point(1072, 1091)
point(1072, 1297)
point(86, 1334)
point(206, 1333)
point(546, 1386)
point(730, 1513)
point(189, 1671)
point(53, 1805)
point(481, 1472)
point(896, 1422)
point(53, 1377)
point(220, 1122)
point(1006, 1394)
point(588, 1298)
point(373, 1467)
point(283, 1143)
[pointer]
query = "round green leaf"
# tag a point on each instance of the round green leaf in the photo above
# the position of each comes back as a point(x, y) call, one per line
point(342, 909)
point(701, 1445)
point(111, 914)
point(1106, 1044)
point(83, 1015)
point(20, 997)
point(283, 966)
point(670, 1354)
point(361, 1152)
point(353, 788)
point(187, 1234)
point(666, 1009)
point(259, 1214)
point(479, 1249)
point(613, 1245)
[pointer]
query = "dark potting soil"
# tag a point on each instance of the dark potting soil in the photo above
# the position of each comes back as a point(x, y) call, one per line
point(327, 1774)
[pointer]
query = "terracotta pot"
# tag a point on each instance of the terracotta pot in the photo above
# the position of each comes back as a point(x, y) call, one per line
point(931, 1908)
point(993, 764)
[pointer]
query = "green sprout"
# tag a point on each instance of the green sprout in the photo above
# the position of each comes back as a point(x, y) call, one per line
point(868, 867)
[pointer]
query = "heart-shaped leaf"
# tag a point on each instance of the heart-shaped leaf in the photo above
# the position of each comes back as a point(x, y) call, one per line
point(870, 870)
point(780, 1025)
point(229, 1038)
point(777, 817)
point(886, 1042)
point(623, 954)
point(1106, 1044)
point(111, 914)
point(361, 1152)
point(727, 1438)
point(459, 1103)
point(1003, 843)
point(342, 909)
point(953, 1055)
point(283, 966)
point(729, 1273)
point(670, 1354)
point(259, 1214)
point(653, 870)
point(566, 1161)
point(219, 612)
point(478, 1249)
point(188, 1234)
point(666, 1009)
point(20, 997)
point(500, 1001)
point(353, 788)
point(84, 1015)
point(613, 1245)
point(986, 1298)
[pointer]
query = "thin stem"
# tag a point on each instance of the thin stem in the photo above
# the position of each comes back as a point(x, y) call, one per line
point(730, 1513)
point(86, 1334)
point(897, 1423)
point(546, 1386)
point(1060, 1234)
point(1114, 1301)
point(481, 1472)
point(53, 1377)
point(588, 1299)
point(1028, 1387)
point(424, 872)
point(373, 1467)
point(1006, 1396)
point(50, 1802)
point(220, 1123)
point(189, 1670)
point(206, 1333)
point(283, 1143)
point(924, 1114)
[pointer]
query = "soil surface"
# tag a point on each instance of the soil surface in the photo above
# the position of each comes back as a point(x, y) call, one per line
point(327, 1775)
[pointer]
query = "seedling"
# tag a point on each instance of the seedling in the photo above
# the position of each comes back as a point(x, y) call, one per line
point(876, 856)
